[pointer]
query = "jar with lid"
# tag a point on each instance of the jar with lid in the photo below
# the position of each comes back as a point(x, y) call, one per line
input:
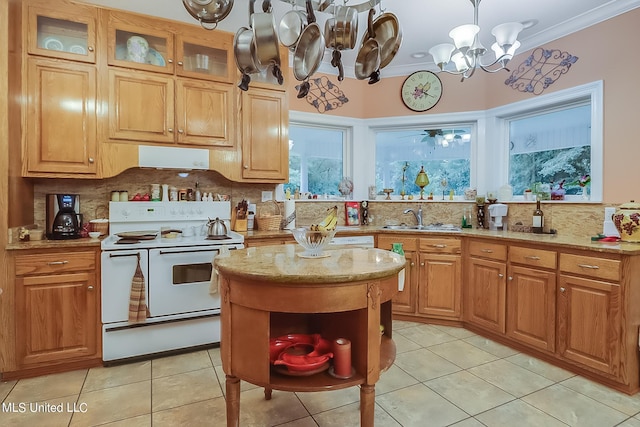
point(115, 196)
point(173, 194)
point(155, 192)
point(124, 196)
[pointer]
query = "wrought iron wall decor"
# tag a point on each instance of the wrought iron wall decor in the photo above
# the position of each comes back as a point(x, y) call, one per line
point(325, 95)
point(540, 70)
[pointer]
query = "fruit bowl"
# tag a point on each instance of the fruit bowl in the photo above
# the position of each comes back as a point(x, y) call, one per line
point(313, 241)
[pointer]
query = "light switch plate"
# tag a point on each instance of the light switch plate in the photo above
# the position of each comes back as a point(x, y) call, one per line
point(267, 196)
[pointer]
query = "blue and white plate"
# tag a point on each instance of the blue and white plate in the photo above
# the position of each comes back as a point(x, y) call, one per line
point(155, 58)
point(52, 43)
point(77, 49)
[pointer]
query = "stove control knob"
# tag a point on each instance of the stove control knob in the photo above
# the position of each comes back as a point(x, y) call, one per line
point(126, 212)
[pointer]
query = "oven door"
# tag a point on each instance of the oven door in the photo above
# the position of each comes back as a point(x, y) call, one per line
point(117, 270)
point(179, 281)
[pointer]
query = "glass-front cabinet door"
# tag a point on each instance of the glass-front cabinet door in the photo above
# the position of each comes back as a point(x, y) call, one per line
point(61, 34)
point(136, 43)
point(208, 58)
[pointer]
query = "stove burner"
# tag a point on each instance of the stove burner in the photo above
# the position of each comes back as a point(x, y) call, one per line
point(217, 237)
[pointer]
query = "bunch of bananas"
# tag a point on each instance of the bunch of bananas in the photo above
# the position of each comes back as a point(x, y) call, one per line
point(328, 223)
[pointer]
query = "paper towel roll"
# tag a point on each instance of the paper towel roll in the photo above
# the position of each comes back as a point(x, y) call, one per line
point(289, 215)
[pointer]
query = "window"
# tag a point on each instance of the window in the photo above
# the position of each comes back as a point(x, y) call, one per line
point(551, 147)
point(444, 151)
point(315, 159)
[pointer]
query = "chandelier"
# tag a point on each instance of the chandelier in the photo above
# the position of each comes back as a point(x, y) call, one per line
point(467, 52)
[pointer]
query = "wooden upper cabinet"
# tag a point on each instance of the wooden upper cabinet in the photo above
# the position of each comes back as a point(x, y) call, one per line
point(130, 36)
point(207, 55)
point(265, 136)
point(63, 32)
point(145, 43)
point(60, 134)
point(141, 106)
point(204, 113)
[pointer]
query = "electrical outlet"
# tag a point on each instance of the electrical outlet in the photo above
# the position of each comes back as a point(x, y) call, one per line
point(267, 196)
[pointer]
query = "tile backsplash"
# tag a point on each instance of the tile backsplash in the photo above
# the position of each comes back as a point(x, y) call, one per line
point(579, 219)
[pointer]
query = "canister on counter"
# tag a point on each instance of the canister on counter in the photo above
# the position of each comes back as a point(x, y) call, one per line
point(115, 196)
point(155, 192)
point(173, 194)
point(124, 196)
point(182, 195)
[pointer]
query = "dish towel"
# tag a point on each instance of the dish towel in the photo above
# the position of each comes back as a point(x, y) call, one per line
point(401, 280)
point(138, 310)
point(214, 285)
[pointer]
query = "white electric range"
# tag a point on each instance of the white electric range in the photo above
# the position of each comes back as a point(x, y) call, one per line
point(183, 313)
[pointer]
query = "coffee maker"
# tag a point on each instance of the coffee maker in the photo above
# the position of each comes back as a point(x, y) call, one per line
point(63, 219)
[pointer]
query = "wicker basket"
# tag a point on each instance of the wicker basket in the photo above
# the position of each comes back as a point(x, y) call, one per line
point(101, 225)
point(269, 221)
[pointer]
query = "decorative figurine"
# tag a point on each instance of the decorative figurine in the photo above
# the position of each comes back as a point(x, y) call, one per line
point(422, 180)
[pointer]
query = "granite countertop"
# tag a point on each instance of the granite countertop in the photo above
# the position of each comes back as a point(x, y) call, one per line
point(283, 264)
point(565, 241)
point(54, 244)
point(560, 240)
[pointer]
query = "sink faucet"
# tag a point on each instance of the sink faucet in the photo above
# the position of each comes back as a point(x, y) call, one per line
point(418, 215)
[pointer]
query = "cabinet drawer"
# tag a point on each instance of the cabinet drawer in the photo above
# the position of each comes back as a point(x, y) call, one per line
point(55, 263)
point(440, 245)
point(408, 243)
point(479, 248)
point(532, 257)
point(600, 268)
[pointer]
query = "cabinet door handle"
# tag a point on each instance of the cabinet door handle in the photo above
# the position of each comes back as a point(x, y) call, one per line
point(500, 275)
point(170, 61)
point(422, 264)
point(562, 290)
point(246, 166)
point(180, 131)
point(487, 251)
point(58, 262)
point(510, 278)
point(593, 267)
point(412, 264)
point(170, 130)
point(439, 246)
point(90, 48)
point(89, 288)
point(91, 160)
point(180, 63)
point(533, 257)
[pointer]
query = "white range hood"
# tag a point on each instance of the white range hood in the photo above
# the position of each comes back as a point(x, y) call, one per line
point(173, 158)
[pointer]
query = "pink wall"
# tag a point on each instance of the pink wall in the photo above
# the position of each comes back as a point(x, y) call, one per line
point(599, 49)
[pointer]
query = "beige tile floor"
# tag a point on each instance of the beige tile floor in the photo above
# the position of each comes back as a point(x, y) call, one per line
point(442, 376)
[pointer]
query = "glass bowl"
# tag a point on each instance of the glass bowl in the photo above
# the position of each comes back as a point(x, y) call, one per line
point(313, 242)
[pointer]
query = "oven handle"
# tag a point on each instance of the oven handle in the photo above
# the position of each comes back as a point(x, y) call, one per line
point(137, 254)
point(192, 251)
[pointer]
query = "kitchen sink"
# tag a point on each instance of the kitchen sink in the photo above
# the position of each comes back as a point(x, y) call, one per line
point(436, 227)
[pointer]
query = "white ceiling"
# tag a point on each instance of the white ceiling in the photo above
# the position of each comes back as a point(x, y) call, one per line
point(424, 23)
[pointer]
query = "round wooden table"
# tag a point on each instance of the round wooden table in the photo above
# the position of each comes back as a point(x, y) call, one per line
point(271, 291)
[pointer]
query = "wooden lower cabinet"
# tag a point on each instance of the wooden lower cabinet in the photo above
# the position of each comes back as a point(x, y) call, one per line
point(589, 329)
point(432, 277)
point(531, 297)
point(57, 308)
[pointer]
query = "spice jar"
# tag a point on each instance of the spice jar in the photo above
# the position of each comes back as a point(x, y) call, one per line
point(155, 192)
point(173, 194)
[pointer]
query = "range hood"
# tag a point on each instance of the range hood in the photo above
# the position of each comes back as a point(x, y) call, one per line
point(173, 158)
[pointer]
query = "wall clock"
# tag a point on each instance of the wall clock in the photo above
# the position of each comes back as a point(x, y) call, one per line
point(421, 91)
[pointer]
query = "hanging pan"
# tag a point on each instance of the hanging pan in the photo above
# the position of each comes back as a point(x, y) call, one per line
point(388, 34)
point(244, 50)
point(291, 26)
point(266, 40)
point(309, 52)
point(368, 60)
